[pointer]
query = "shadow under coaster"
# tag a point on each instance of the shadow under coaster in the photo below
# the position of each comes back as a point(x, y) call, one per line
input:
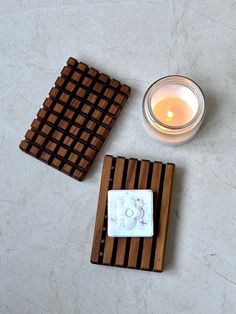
point(137, 253)
point(75, 119)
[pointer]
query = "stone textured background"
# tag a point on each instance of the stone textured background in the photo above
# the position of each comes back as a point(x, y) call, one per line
point(47, 218)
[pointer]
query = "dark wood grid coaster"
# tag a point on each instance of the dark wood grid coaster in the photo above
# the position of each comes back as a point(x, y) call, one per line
point(137, 253)
point(75, 119)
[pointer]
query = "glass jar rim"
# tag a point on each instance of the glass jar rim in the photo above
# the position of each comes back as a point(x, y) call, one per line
point(181, 80)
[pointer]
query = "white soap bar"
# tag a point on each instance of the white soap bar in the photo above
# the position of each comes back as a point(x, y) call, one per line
point(130, 213)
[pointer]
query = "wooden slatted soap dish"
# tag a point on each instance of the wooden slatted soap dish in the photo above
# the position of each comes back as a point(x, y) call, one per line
point(75, 119)
point(137, 253)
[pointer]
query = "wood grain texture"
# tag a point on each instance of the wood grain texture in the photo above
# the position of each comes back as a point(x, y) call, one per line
point(117, 182)
point(101, 209)
point(83, 105)
point(164, 218)
point(134, 244)
point(148, 242)
point(130, 182)
point(137, 253)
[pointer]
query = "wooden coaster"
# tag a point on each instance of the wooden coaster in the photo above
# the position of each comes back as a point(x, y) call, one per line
point(75, 119)
point(137, 253)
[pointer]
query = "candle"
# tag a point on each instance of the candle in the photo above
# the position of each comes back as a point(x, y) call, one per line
point(173, 109)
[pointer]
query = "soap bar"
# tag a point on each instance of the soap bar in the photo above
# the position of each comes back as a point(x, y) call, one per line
point(130, 213)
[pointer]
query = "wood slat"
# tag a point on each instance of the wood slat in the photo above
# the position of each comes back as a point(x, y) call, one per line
point(117, 184)
point(134, 243)
point(164, 218)
point(155, 187)
point(130, 181)
point(101, 209)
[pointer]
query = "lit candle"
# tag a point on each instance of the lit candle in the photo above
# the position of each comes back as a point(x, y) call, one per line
point(173, 109)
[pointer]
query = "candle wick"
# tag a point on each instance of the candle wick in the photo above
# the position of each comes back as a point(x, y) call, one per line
point(170, 115)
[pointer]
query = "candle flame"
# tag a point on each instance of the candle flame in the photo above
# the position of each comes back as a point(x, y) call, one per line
point(169, 116)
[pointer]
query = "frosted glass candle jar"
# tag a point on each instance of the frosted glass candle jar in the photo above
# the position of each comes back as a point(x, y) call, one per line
point(173, 109)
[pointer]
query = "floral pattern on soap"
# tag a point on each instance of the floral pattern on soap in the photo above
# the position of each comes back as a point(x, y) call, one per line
point(130, 213)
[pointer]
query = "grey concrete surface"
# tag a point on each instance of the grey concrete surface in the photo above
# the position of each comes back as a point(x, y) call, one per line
point(47, 218)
